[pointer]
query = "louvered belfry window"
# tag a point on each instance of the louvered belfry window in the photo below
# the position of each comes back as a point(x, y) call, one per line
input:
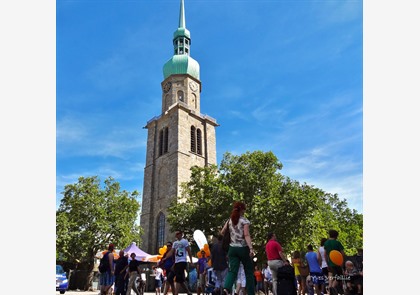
point(160, 142)
point(163, 141)
point(193, 140)
point(196, 140)
point(166, 140)
point(199, 151)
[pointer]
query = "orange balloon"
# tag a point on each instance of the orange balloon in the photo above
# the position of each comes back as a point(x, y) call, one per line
point(336, 257)
point(207, 252)
point(162, 251)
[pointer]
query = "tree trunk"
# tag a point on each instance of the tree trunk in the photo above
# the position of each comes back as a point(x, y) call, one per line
point(89, 278)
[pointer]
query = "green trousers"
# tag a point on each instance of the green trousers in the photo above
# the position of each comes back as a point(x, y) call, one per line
point(237, 255)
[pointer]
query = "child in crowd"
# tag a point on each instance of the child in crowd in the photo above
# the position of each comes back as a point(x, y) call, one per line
point(355, 278)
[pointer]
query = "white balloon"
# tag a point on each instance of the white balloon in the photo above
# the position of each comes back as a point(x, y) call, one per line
point(199, 238)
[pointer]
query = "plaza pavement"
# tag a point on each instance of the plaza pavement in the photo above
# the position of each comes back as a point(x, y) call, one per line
point(73, 292)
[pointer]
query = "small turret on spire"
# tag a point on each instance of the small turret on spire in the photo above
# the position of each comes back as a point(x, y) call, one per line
point(182, 39)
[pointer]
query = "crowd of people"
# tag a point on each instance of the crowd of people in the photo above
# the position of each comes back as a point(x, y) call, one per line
point(123, 273)
point(233, 271)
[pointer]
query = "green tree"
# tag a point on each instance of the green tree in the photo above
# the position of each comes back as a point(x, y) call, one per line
point(90, 217)
point(299, 214)
point(204, 203)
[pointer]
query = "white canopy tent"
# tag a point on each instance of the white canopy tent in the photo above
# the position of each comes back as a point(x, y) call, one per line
point(140, 254)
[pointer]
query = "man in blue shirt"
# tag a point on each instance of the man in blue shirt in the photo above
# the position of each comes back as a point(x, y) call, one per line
point(315, 271)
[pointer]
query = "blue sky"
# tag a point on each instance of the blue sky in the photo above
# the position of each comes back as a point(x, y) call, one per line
point(56, 68)
point(285, 76)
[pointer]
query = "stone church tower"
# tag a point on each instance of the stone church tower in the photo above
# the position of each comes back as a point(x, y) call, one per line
point(179, 138)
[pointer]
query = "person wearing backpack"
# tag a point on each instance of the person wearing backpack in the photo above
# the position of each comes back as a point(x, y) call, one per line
point(106, 269)
point(275, 257)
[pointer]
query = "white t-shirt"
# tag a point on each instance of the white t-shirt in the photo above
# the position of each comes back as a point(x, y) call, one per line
point(267, 274)
point(180, 248)
point(321, 251)
point(158, 273)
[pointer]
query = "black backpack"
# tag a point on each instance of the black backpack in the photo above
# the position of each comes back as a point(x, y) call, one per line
point(104, 263)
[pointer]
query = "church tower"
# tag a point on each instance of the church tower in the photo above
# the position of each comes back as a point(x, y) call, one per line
point(179, 138)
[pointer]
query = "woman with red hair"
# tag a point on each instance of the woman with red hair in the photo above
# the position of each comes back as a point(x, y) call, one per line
point(240, 249)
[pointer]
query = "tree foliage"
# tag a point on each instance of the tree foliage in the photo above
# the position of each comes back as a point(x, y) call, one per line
point(90, 217)
point(204, 190)
point(299, 214)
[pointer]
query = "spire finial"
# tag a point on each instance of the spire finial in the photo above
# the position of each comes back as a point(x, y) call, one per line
point(182, 15)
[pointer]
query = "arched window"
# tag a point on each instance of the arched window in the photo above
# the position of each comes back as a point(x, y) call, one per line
point(166, 140)
point(193, 140)
point(196, 141)
point(160, 230)
point(194, 100)
point(160, 142)
point(163, 141)
point(180, 95)
point(199, 151)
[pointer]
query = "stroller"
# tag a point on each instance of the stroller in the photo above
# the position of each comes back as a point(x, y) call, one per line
point(141, 283)
point(286, 281)
point(210, 281)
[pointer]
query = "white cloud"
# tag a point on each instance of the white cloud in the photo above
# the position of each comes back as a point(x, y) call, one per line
point(336, 12)
point(239, 115)
point(268, 113)
point(330, 169)
point(95, 135)
point(69, 130)
point(347, 187)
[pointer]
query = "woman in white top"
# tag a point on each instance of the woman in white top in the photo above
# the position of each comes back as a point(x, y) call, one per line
point(240, 248)
point(324, 265)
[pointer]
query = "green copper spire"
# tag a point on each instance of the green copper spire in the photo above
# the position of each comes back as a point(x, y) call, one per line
point(181, 15)
point(181, 62)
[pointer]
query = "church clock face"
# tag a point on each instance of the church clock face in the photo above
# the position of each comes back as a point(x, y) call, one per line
point(193, 86)
point(167, 86)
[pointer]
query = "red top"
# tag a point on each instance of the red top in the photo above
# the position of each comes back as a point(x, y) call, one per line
point(272, 248)
point(258, 275)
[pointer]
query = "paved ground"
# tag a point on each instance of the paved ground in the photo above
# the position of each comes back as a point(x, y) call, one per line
point(78, 293)
point(94, 293)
